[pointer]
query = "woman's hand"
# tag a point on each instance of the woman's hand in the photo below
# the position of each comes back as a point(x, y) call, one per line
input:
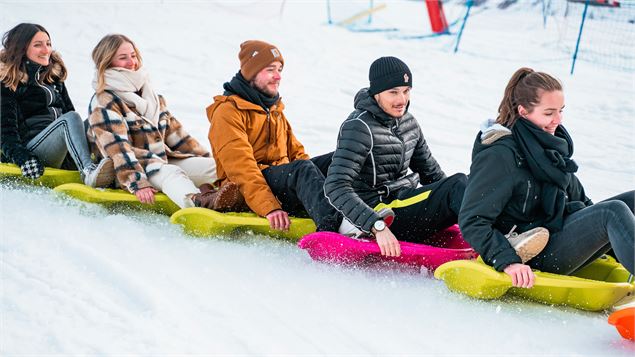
point(522, 276)
point(146, 195)
point(279, 220)
point(388, 244)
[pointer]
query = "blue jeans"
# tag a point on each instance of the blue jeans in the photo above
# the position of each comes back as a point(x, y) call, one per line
point(64, 135)
point(589, 233)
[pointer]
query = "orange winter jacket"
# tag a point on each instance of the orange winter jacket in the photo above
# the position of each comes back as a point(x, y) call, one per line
point(245, 139)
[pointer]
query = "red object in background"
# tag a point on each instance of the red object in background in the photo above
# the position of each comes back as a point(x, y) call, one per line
point(609, 3)
point(437, 17)
point(613, 3)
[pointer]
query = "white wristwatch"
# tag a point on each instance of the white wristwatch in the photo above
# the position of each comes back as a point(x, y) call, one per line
point(379, 225)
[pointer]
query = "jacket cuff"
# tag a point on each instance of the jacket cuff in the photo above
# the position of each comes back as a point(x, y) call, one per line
point(265, 208)
point(504, 259)
point(138, 185)
point(366, 227)
point(21, 157)
point(17, 154)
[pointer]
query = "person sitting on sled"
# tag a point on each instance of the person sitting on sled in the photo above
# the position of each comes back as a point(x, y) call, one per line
point(522, 179)
point(39, 125)
point(130, 123)
point(368, 180)
point(256, 150)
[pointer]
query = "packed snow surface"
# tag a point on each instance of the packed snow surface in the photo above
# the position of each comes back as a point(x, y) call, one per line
point(77, 279)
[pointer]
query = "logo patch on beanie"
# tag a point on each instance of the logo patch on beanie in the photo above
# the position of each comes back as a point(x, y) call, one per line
point(405, 78)
point(275, 53)
point(254, 54)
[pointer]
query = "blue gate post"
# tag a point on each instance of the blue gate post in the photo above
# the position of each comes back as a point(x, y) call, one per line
point(546, 5)
point(577, 44)
point(467, 13)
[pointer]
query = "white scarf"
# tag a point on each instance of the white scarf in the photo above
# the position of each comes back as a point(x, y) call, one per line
point(126, 83)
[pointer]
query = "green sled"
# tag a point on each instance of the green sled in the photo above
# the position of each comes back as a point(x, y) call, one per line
point(115, 199)
point(596, 287)
point(51, 178)
point(204, 222)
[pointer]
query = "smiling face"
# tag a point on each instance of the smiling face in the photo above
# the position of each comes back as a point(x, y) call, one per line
point(39, 49)
point(547, 114)
point(268, 79)
point(394, 101)
point(125, 57)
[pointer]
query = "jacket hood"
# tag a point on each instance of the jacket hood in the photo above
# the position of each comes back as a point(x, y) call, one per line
point(491, 134)
point(364, 101)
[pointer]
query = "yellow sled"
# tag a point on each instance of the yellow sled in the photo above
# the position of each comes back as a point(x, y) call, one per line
point(204, 222)
point(115, 199)
point(51, 178)
point(195, 221)
point(596, 287)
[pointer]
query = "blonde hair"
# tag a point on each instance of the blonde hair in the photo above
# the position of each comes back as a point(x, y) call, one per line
point(13, 57)
point(524, 88)
point(104, 53)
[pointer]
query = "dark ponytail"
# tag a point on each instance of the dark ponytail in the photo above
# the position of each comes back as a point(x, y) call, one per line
point(524, 88)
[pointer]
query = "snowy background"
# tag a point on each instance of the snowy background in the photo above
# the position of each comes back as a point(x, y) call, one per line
point(76, 279)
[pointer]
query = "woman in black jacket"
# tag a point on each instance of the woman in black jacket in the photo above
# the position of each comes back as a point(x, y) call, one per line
point(38, 123)
point(522, 177)
point(377, 146)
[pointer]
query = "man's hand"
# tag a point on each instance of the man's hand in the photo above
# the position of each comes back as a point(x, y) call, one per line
point(388, 244)
point(279, 220)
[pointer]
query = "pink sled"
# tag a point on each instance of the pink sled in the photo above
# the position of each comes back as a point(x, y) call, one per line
point(335, 248)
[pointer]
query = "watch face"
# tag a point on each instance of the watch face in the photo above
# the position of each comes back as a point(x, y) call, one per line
point(379, 225)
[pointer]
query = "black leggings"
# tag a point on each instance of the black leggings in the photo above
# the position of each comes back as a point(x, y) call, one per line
point(421, 212)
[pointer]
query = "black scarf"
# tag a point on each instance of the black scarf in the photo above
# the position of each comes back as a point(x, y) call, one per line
point(549, 160)
point(239, 86)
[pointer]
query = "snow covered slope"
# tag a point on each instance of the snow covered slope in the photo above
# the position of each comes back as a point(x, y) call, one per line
point(75, 279)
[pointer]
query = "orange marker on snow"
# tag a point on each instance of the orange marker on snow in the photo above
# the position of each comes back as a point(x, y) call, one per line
point(624, 322)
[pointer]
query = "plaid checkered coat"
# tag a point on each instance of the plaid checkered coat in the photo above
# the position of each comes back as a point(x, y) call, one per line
point(137, 147)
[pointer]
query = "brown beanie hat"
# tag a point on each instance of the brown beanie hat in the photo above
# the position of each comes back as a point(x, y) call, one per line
point(256, 55)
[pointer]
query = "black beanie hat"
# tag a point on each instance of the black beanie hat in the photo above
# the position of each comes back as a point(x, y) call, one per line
point(388, 72)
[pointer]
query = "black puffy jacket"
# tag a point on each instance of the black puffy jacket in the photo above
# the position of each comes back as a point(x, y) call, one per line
point(371, 162)
point(502, 193)
point(27, 111)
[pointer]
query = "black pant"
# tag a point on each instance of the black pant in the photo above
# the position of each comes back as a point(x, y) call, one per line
point(629, 199)
point(589, 233)
point(416, 222)
point(299, 186)
point(323, 162)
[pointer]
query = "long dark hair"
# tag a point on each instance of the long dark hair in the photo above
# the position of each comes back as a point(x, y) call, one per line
point(524, 88)
point(13, 57)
